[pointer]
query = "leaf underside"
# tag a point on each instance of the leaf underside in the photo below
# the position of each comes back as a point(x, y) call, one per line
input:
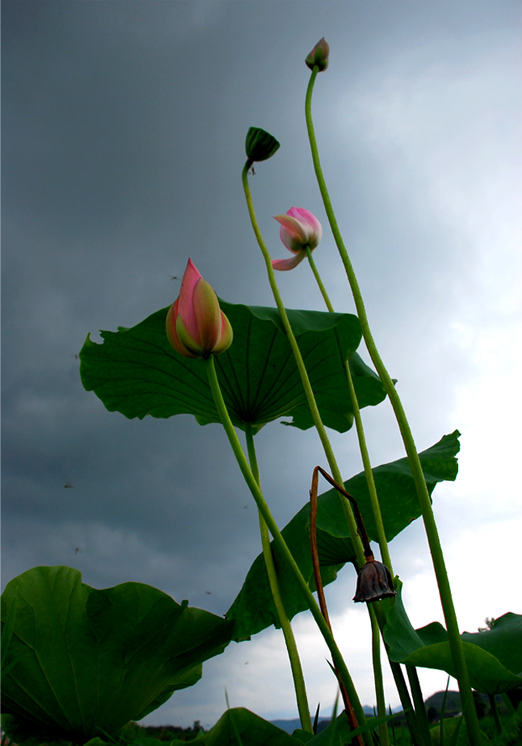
point(253, 609)
point(88, 660)
point(137, 373)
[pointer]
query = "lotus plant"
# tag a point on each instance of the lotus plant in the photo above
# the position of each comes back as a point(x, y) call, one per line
point(299, 230)
point(196, 326)
point(134, 372)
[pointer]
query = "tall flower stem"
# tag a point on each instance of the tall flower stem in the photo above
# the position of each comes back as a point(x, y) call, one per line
point(361, 437)
point(418, 699)
point(316, 416)
point(377, 673)
point(288, 634)
point(320, 592)
point(421, 730)
point(455, 642)
point(376, 510)
point(263, 508)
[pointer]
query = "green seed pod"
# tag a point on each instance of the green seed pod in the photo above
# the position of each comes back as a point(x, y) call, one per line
point(260, 145)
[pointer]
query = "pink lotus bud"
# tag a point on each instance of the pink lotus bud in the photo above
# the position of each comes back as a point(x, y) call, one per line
point(196, 326)
point(319, 56)
point(299, 228)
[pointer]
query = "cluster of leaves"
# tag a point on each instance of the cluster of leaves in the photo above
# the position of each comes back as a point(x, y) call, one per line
point(80, 663)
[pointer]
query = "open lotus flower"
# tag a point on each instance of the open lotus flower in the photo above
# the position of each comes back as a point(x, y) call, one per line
point(299, 228)
point(196, 326)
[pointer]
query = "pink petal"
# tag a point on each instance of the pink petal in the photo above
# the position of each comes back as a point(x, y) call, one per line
point(311, 226)
point(305, 216)
point(292, 233)
point(172, 334)
point(283, 264)
point(185, 302)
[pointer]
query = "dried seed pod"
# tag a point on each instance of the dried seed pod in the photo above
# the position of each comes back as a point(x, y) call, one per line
point(374, 582)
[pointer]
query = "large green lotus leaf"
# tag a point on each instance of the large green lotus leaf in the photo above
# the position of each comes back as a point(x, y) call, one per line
point(136, 372)
point(396, 490)
point(494, 657)
point(89, 660)
point(241, 726)
point(253, 608)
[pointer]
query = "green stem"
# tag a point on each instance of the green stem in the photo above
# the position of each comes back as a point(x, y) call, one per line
point(288, 634)
point(407, 706)
point(494, 712)
point(418, 700)
point(279, 539)
point(377, 515)
point(377, 675)
point(318, 279)
point(402, 689)
point(439, 565)
point(321, 430)
point(365, 456)
point(417, 729)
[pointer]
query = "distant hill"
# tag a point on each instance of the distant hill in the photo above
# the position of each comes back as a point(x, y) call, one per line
point(434, 703)
point(452, 706)
point(290, 725)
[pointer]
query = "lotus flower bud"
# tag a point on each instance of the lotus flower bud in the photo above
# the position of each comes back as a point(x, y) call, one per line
point(260, 145)
point(196, 326)
point(319, 56)
point(299, 228)
point(374, 582)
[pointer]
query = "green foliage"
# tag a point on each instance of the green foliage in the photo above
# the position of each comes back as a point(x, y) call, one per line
point(159, 733)
point(241, 727)
point(254, 610)
point(88, 661)
point(451, 732)
point(136, 372)
point(493, 657)
point(512, 731)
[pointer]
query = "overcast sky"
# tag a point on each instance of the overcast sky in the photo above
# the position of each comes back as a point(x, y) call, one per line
point(123, 143)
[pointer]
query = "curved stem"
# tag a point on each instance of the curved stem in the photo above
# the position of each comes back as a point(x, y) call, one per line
point(288, 634)
point(439, 565)
point(318, 279)
point(321, 430)
point(279, 539)
point(365, 456)
point(368, 473)
point(377, 515)
point(320, 593)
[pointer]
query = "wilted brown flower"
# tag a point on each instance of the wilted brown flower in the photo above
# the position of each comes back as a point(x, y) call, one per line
point(374, 582)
